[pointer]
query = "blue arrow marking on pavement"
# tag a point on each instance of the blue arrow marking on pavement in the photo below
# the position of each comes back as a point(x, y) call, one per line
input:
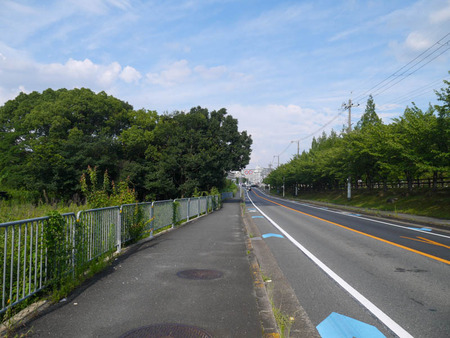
point(272, 235)
point(355, 215)
point(340, 326)
point(257, 217)
point(423, 229)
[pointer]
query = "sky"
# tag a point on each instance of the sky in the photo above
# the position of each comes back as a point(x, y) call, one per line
point(282, 68)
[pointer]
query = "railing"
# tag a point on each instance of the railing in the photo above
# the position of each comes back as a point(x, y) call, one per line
point(227, 195)
point(27, 266)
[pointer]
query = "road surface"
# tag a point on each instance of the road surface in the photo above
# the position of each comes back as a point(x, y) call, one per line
point(390, 275)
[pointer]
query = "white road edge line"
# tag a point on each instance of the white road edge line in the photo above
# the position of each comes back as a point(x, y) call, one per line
point(391, 324)
point(359, 217)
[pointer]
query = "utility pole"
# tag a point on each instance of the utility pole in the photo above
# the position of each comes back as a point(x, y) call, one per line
point(349, 129)
point(298, 146)
point(278, 159)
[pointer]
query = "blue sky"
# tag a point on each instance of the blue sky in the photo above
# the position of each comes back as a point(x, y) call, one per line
point(282, 68)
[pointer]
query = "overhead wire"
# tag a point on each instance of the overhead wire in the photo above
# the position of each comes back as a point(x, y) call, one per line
point(412, 72)
point(394, 76)
point(312, 134)
point(408, 97)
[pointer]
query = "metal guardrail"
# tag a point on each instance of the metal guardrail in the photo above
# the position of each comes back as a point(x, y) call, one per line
point(27, 269)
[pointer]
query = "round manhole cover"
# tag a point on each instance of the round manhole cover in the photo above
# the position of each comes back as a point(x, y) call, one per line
point(167, 331)
point(200, 274)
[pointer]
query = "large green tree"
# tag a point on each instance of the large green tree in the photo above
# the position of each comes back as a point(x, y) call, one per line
point(52, 137)
point(49, 139)
point(194, 151)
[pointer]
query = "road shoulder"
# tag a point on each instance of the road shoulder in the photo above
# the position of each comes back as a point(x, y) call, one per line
point(269, 280)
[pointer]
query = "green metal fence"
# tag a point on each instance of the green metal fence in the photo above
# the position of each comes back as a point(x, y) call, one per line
point(27, 267)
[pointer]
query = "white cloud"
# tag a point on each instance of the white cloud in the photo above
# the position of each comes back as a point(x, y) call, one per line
point(176, 73)
point(211, 73)
point(17, 71)
point(81, 72)
point(129, 75)
point(274, 126)
point(441, 15)
point(417, 41)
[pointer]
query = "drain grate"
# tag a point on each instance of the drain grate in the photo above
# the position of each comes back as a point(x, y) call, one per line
point(167, 331)
point(200, 274)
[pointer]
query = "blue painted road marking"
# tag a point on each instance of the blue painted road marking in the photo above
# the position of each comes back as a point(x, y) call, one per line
point(423, 229)
point(272, 235)
point(257, 217)
point(340, 326)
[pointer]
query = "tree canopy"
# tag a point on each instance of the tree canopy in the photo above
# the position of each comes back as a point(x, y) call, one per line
point(49, 139)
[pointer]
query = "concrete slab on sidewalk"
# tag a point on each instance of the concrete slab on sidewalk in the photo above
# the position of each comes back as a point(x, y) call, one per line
point(143, 286)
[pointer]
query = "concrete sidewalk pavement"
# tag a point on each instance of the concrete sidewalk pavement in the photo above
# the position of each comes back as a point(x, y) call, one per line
point(194, 282)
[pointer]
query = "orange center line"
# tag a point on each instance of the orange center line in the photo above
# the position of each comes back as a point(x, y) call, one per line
point(426, 240)
point(360, 232)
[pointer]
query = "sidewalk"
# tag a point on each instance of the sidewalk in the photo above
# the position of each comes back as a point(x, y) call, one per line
point(194, 281)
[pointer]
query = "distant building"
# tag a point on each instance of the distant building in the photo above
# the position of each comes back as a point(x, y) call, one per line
point(253, 176)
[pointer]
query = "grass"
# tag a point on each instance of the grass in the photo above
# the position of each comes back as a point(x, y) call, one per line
point(14, 211)
point(422, 202)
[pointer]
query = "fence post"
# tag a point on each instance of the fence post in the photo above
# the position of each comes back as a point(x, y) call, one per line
point(174, 212)
point(73, 245)
point(188, 209)
point(198, 212)
point(152, 222)
point(119, 230)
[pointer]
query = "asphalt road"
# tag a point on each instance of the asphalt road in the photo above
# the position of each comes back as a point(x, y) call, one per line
point(391, 275)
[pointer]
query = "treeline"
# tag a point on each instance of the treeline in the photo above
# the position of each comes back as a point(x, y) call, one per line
point(49, 139)
point(414, 146)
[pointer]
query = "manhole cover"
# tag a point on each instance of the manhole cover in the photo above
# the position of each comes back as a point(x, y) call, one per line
point(167, 331)
point(200, 274)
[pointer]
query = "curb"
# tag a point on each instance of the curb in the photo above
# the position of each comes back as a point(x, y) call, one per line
point(268, 322)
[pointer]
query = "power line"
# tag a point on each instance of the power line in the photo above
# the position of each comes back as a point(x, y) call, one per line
point(419, 91)
point(394, 76)
point(312, 134)
point(412, 72)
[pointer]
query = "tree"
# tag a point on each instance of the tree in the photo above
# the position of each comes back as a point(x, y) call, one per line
point(47, 140)
point(369, 117)
point(195, 150)
point(52, 137)
point(442, 134)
